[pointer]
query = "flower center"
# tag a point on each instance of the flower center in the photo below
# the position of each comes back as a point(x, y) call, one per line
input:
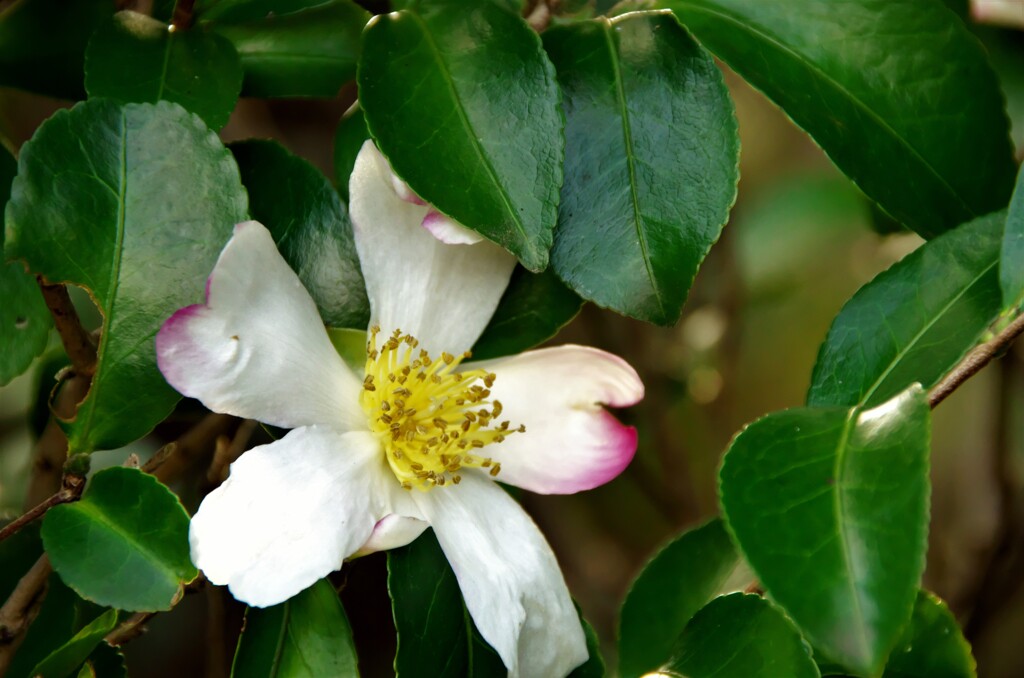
point(431, 419)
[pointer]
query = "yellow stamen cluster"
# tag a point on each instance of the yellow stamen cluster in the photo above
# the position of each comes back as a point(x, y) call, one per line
point(430, 418)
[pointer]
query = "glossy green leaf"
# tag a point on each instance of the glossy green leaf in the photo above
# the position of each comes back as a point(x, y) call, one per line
point(124, 544)
point(830, 507)
point(651, 161)
point(1011, 261)
point(293, 49)
point(463, 102)
point(740, 635)
point(42, 44)
point(534, 307)
point(24, 319)
point(436, 637)
point(134, 58)
point(307, 636)
point(897, 92)
point(133, 202)
point(913, 322)
point(62, 615)
point(932, 645)
point(677, 582)
point(348, 140)
point(68, 657)
point(310, 225)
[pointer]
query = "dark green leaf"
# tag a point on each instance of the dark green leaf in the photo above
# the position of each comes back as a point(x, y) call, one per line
point(678, 581)
point(897, 92)
point(62, 615)
point(740, 635)
point(68, 657)
point(310, 225)
point(594, 666)
point(1011, 261)
point(42, 44)
point(293, 49)
point(651, 161)
point(462, 100)
point(24, 319)
point(18, 553)
point(133, 58)
point(932, 645)
point(534, 307)
point(105, 662)
point(307, 636)
point(913, 322)
point(348, 140)
point(124, 544)
point(133, 202)
point(830, 507)
point(436, 637)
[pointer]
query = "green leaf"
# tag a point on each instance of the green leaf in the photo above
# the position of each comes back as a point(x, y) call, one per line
point(124, 544)
point(897, 92)
point(293, 49)
point(740, 635)
point(24, 319)
point(307, 636)
point(830, 507)
point(350, 345)
point(18, 553)
point(532, 309)
point(594, 666)
point(135, 59)
point(42, 44)
point(651, 161)
point(677, 582)
point(104, 662)
point(932, 645)
point(913, 322)
point(310, 225)
point(62, 615)
point(1011, 261)
point(348, 140)
point(436, 637)
point(72, 654)
point(133, 202)
point(462, 100)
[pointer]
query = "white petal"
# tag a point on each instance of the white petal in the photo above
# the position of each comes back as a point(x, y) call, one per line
point(444, 295)
point(509, 577)
point(449, 231)
point(290, 512)
point(571, 443)
point(392, 531)
point(258, 348)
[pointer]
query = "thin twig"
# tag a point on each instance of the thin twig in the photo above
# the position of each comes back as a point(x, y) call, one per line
point(20, 609)
point(173, 458)
point(129, 629)
point(52, 447)
point(228, 451)
point(77, 342)
point(974, 361)
point(71, 490)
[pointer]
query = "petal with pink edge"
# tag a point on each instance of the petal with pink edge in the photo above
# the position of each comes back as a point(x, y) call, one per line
point(508, 575)
point(290, 512)
point(258, 348)
point(443, 294)
point(571, 443)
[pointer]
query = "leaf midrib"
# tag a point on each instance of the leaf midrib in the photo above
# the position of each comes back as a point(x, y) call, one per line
point(758, 31)
point(627, 134)
point(94, 511)
point(471, 136)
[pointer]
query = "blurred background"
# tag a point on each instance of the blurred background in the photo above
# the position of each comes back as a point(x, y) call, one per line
point(800, 242)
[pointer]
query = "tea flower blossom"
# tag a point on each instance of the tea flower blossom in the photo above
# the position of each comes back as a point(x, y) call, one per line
point(415, 441)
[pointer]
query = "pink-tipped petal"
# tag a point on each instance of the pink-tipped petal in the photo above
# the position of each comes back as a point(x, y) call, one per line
point(449, 231)
point(258, 348)
point(571, 443)
point(444, 295)
point(290, 512)
point(509, 577)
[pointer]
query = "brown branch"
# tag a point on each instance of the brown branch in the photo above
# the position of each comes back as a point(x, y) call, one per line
point(182, 18)
point(71, 490)
point(52, 447)
point(77, 342)
point(21, 608)
point(174, 458)
point(974, 361)
point(130, 629)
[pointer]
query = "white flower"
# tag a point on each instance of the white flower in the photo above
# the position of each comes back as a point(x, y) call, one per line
point(373, 459)
point(1006, 12)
